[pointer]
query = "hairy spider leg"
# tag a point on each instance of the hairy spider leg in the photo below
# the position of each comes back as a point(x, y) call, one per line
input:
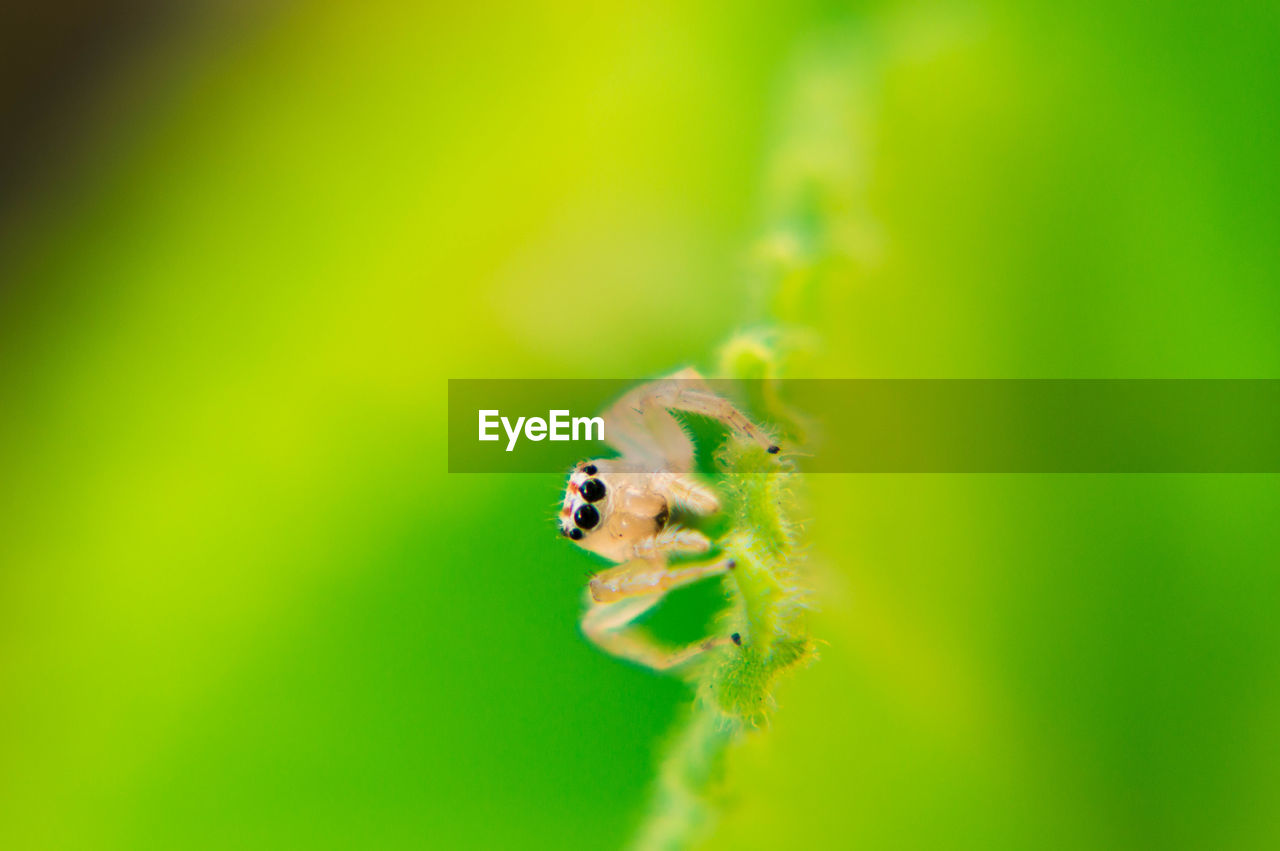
point(641, 426)
point(673, 540)
point(685, 491)
point(639, 587)
point(679, 397)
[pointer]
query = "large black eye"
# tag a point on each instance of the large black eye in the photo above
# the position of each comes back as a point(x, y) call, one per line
point(586, 516)
point(576, 534)
point(593, 490)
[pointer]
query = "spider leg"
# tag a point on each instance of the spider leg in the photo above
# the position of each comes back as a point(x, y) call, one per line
point(691, 397)
point(642, 576)
point(646, 434)
point(641, 426)
point(635, 588)
point(673, 540)
point(685, 491)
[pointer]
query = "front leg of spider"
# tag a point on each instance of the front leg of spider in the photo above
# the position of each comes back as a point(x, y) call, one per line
point(619, 596)
point(641, 425)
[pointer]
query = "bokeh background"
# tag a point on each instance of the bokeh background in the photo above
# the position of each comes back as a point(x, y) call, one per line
point(243, 246)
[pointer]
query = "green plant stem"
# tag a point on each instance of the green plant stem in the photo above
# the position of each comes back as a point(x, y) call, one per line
point(734, 686)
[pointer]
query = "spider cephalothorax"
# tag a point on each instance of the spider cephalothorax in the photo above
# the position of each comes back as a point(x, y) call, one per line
point(622, 509)
point(611, 509)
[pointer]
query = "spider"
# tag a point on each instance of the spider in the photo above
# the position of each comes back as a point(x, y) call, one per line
point(622, 509)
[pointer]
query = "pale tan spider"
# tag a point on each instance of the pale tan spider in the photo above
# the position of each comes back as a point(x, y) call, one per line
point(626, 509)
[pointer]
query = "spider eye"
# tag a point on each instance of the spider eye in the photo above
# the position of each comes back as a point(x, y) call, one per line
point(593, 490)
point(590, 469)
point(576, 534)
point(586, 516)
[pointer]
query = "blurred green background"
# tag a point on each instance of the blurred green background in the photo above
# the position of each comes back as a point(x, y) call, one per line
point(242, 605)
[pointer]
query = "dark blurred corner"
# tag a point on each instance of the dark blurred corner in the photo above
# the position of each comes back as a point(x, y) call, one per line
point(61, 61)
point(56, 58)
point(75, 76)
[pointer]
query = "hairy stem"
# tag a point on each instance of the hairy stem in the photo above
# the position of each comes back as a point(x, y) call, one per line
point(734, 686)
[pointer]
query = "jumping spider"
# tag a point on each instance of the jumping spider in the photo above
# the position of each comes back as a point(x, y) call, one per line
point(622, 509)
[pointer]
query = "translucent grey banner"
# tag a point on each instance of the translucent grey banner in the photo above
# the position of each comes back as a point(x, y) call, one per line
point(895, 426)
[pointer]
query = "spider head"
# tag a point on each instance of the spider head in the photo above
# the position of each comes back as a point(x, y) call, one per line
point(609, 508)
point(586, 502)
